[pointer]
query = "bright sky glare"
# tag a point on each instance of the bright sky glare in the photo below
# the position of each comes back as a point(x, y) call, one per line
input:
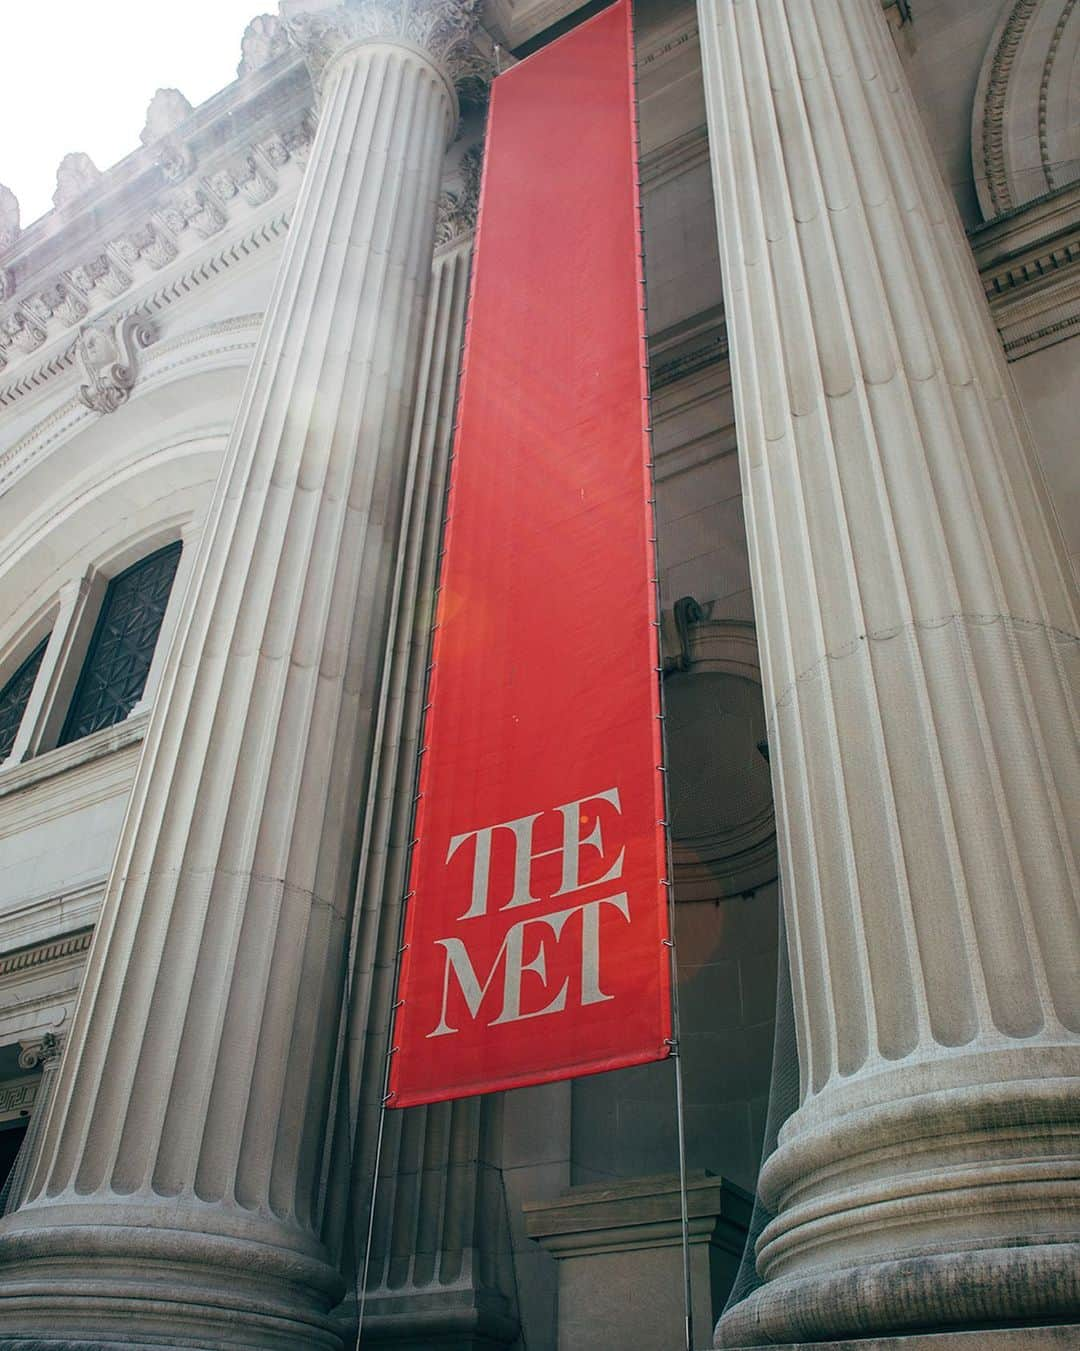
point(79, 74)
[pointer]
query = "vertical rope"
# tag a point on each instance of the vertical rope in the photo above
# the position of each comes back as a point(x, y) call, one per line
point(669, 880)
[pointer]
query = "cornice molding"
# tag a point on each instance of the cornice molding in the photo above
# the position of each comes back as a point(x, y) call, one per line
point(1025, 60)
point(108, 741)
point(236, 334)
point(1029, 263)
point(199, 172)
point(206, 269)
point(41, 922)
point(169, 226)
point(990, 108)
point(55, 949)
point(674, 158)
point(687, 347)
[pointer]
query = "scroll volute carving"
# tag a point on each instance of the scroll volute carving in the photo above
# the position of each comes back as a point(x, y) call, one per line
point(107, 356)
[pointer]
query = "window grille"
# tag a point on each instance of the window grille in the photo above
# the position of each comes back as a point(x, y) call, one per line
point(122, 647)
point(16, 695)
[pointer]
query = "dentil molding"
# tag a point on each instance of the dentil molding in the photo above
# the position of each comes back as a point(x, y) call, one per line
point(1029, 263)
point(1032, 65)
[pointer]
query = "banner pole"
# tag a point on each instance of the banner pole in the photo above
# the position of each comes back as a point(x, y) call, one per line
point(680, 1114)
point(361, 1300)
point(669, 881)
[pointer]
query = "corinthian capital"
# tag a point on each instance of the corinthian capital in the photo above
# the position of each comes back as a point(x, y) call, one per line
point(447, 30)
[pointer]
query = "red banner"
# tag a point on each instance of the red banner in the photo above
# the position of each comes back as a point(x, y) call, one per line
point(536, 925)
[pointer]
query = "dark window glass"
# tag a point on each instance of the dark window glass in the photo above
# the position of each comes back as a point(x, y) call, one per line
point(16, 695)
point(118, 661)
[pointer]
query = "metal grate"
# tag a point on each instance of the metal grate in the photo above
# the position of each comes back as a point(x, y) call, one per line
point(16, 695)
point(122, 647)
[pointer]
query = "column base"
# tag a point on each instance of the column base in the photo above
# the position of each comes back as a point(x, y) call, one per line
point(423, 1319)
point(976, 1289)
point(1062, 1338)
point(130, 1288)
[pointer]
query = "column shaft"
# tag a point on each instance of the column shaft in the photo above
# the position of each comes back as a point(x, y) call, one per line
point(919, 645)
point(189, 1123)
point(440, 1227)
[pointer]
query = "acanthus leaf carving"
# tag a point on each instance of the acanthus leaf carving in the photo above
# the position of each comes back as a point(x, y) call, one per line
point(57, 301)
point(106, 354)
point(100, 271)
point(446, 29)
point(167, 110)
point(248, 180)
point(458, 205)
point(147, 243)
point(195, 209)
point(21, 331)
point(264, 38)
point(76, 175)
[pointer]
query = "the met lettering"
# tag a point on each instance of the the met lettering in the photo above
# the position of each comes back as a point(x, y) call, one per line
point(511, 955)
point(522, 831)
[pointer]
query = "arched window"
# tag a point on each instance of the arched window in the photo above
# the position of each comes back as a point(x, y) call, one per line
point(16, 695)
point(122, 646)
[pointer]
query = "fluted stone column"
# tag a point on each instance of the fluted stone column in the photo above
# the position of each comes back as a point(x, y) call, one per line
point(919, 643)
point(179, 1198)
point(440, 1270)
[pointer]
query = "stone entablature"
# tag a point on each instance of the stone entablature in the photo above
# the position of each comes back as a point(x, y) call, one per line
point(1029, 261)
point(210, 172)
point(38, 988)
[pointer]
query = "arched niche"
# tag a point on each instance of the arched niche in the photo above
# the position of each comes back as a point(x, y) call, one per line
point(86, 486)
point(722, 818)
point(1026, 116)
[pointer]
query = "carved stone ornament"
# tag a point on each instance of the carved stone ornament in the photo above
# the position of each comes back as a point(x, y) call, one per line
point(100, 271)
point(9, 218)
point(175, 159)
point(37, 1051)
point(20, 332)
point(248, 180)
point(57, 301)
point(264, 38)
point(168, 108)
point(106, 354)
point(195, 209)
point(146, 243)
point(446, 29)
point(458, 205)
point(76, 175)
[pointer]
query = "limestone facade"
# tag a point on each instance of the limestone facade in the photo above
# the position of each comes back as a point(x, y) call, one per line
point(236, 351)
